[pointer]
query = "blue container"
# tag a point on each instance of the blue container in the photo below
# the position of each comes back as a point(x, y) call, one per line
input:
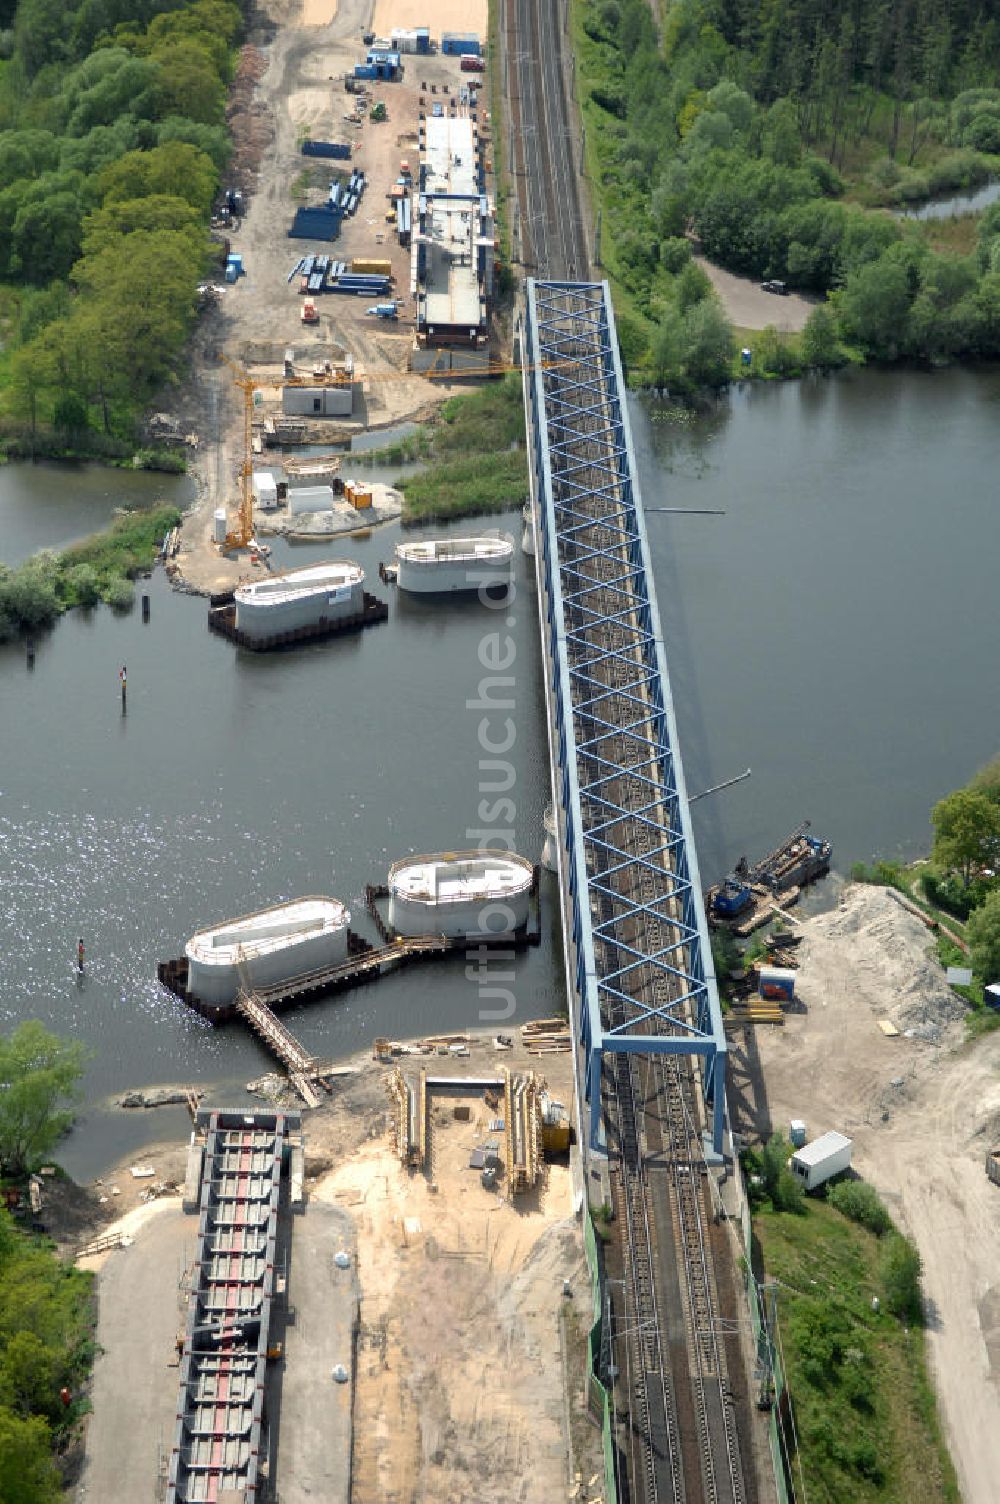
point(460, 44)
point(315, 224)
point(423, 39)
point(364, 70)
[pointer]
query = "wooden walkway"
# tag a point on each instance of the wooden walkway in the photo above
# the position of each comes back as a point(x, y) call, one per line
point(253, 1005)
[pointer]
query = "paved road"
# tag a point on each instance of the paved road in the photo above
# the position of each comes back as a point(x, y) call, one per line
point(139, 1313)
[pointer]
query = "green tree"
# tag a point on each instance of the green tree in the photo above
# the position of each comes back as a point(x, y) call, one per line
point(667, 349)
point(709, 344)
point(176, 169)
point(862, 1203)
point(39, 1074)
point(874, 306)
point(899, 1271)
point(966, 832)
point(987, 780)
point(983, 931)
point(820, 346)
point(785, 1190)
point(27, 1472)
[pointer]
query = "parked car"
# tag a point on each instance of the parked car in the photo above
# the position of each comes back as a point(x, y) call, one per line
point(773, 285)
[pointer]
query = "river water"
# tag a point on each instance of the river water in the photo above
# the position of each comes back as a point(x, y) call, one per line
point(237, 780)
point(835, 631)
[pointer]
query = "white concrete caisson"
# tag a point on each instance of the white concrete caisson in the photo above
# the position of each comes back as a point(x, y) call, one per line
point(460, 893)
point(297, 598)
point(266, 948)
point(434, 565)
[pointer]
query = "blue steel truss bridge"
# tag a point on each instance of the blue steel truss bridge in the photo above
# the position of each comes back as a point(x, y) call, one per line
point(638, 957)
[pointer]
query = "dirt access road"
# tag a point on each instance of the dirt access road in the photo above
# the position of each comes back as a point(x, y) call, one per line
point(922, 1112)
point(300, 92)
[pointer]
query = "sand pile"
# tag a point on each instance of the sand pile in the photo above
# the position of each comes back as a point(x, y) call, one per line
point(891, 968)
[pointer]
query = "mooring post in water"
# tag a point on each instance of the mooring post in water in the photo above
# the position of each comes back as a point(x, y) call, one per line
point(30, 650)
point(79, 955)
point(145, 607)
point(123, 676)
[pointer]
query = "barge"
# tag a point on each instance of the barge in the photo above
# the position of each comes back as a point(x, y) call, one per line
point(750, 894)
point(460, 894)
point(436, 566)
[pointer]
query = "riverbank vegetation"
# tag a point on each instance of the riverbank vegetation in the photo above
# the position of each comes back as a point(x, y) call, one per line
point(46, 1313)
point(112, 141)
point(765, 135)
point(100, 568)
point(862, 1422)
point(472, 452)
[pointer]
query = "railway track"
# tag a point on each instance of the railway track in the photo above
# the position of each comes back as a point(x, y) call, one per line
point(678, 1439)
point(553, 241)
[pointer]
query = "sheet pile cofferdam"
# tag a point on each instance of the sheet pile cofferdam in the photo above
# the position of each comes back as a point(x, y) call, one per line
point(465, 893)
point(299, 598)
point(446, 565)
point(266, 948)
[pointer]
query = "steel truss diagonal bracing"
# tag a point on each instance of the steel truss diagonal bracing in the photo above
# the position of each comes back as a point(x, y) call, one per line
point(639, 945)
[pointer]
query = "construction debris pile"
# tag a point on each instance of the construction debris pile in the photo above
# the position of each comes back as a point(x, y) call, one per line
point(248, 118)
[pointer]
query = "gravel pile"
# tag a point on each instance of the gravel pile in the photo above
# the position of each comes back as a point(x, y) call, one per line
point(892, 969)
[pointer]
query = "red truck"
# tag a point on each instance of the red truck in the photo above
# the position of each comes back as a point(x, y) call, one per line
point(472, 64)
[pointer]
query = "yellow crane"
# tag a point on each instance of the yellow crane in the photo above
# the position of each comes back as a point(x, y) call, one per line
point(242, 536)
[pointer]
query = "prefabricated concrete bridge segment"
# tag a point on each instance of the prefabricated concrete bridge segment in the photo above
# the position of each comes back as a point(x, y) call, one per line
point(220, 1438)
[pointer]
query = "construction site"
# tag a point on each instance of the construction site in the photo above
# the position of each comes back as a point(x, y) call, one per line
point(313, 1287)
point(335, 144)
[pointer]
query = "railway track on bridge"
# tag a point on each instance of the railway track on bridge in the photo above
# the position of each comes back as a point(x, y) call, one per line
point(677, 1429)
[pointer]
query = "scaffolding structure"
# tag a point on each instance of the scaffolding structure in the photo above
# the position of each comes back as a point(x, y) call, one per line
point(409, 1128)
point(638, 950)
point(523, 1131)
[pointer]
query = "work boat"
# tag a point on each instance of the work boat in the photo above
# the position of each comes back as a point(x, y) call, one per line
point(461, 893)
point(312, 596)
point(433, 566)
point(267, 948)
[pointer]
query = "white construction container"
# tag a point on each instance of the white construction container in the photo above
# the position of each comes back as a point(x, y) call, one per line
point(265, 490)
point(313, 596)
point(310, 499)
point(460, 893)
point(446, 565)
point(219, 525)
point(266, 948)
point(819, 1161)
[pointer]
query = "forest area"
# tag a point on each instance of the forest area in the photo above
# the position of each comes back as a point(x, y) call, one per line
point(112, 144)
point(780, 137)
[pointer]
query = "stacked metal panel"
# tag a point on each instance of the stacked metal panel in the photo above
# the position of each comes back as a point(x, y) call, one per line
point(218, 1451)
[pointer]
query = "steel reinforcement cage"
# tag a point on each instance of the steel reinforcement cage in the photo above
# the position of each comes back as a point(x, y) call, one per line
point(639, 948)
